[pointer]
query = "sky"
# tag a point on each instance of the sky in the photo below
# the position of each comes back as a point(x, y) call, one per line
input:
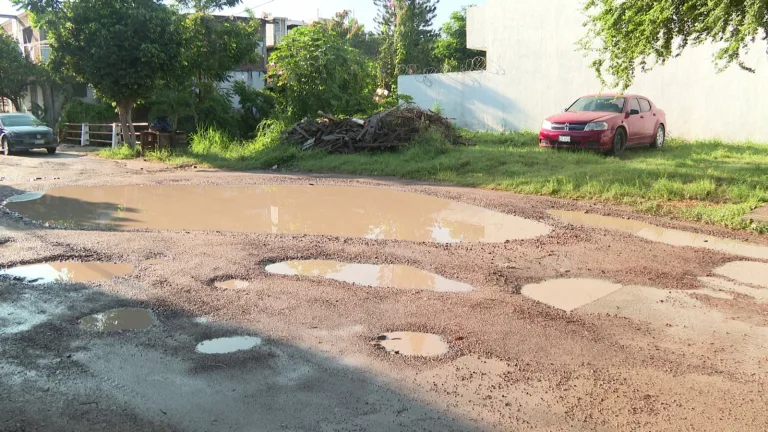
point(308, 9)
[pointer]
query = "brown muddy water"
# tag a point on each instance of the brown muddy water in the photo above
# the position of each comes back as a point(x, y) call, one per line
point(320, 210)
point(753, 273)
point(412, 344)
point(232, 284)
point(663, 235)
point(569, 294)
point(377, 276)
point(228, 345)
point(118, 319)
point(68, 272)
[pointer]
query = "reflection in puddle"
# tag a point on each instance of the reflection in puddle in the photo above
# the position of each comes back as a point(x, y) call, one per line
point(68, 272)
point(320, 210)
point(569, 294)
point(663, 235)
point(412, 344)
point(379, 276)
point(118, 319)
point(232, 284)
point(228, 345)
point(753, 273)
point(29, 196)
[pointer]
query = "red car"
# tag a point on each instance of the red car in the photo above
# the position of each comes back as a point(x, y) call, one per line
point(607, 123)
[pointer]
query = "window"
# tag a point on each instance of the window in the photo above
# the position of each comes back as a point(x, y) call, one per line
point(634, 105)
point(80, 90)
point(600, 104)
point(645, 106)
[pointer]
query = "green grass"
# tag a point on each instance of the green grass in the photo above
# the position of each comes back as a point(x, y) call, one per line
point(706, 181)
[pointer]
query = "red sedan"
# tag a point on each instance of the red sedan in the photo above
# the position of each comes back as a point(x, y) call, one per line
point(608, 123)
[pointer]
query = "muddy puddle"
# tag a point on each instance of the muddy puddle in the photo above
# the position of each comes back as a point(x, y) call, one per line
point(29, 196)
point(377, 276)
point(228, 345)
point(118, 319)
point(232, 284)
point(663, 235)
point(753, 273)
point(371, 213)
point(569, 294)
point(412, 344)
point(68, 272)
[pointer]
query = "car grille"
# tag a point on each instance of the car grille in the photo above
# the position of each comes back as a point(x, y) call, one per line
point(569, 127)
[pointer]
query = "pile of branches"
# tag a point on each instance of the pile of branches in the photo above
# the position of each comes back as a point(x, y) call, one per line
point(394, 127)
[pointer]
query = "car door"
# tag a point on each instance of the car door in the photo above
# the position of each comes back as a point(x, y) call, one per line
point(649, 121)
point(635, 124)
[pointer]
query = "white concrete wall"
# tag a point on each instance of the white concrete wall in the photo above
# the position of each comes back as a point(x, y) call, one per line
point(535, 70)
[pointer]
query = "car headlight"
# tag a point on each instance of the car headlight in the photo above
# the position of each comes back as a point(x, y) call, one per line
point(547, 125)
point(596, 126)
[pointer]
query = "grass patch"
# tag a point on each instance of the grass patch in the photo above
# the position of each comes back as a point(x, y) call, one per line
point(706, 181)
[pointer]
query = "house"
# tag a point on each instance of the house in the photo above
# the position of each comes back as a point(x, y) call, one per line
point(534, 69)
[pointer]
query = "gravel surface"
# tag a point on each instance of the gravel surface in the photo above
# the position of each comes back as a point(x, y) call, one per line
point(657, 354)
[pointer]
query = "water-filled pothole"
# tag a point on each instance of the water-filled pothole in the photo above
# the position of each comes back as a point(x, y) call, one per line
point(232, 284)
point(68, 272)
point(391, 276)
point(119, 319)
point(753, 273)
point(663, 235)
point(412, 344)
point(372, 213)
point(228, 345)
point(569, 294)
point(29, 196)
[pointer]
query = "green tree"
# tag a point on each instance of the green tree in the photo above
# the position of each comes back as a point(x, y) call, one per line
point(408, 39)
point(349, 28)
point(17, 71)
point(122, 48)
point(315, 69)
point(451, 49)
point(630, 35)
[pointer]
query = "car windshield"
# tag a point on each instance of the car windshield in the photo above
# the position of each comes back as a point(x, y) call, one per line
point(20, 120)
point(602, 104)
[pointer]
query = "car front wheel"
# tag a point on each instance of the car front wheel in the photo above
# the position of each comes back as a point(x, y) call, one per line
point(661, 136)
point(619, 142)
point(5, 148)
point(51, 150)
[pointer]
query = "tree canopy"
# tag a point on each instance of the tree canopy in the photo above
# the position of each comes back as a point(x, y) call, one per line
point(315, 69)
point(17, 71)
point(451, 49)
point(630, 35)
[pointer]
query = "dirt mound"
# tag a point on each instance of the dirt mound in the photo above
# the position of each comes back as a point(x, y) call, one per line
point(394, 127)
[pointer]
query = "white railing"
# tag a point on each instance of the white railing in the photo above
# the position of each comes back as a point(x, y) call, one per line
point(101, 133)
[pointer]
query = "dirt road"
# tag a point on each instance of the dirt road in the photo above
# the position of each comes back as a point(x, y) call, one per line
point(567, 326)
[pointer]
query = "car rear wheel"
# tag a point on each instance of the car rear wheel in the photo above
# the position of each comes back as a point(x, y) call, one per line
point(4, 146)
point(51, 150)
point(619, 142)
point(661, 136)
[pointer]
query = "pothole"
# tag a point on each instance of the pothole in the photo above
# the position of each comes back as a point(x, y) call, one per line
point(232, 284)
point(412, 344)
point(372, 213)
point(663, 235)
point(228, 345)
point(753, 273)
point(68, 272)
point(29, 196)
point(119, 319)
point(569, 294)
point(377, 276)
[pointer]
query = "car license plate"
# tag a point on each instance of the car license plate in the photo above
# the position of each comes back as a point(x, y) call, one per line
point(564, 138)
point(38, 142)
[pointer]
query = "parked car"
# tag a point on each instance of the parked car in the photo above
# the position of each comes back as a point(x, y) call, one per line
point(606, 123)
point(19, 131)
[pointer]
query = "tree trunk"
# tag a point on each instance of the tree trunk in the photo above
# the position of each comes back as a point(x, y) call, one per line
point(16, 104)
point(125, 111)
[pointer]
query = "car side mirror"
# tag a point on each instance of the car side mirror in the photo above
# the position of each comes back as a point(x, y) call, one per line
point(634, 112)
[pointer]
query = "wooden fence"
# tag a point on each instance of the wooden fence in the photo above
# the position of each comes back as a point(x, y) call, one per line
point(87, 133)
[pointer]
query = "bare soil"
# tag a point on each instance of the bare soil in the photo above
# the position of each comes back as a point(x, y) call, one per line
point(654, 355)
